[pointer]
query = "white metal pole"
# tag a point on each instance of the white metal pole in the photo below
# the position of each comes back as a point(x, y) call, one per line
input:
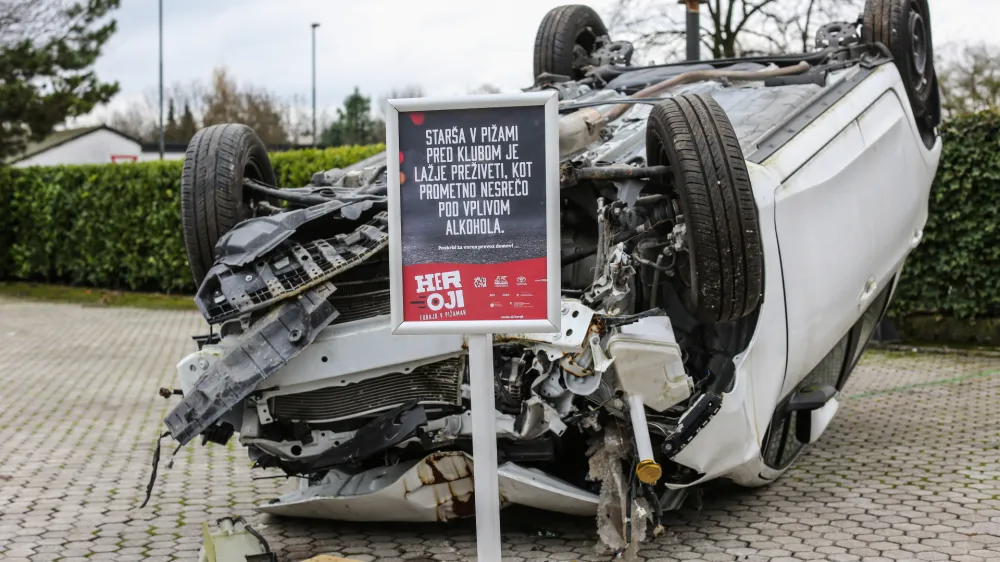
point(315, 135)
point(484, 447)
point(162, 134)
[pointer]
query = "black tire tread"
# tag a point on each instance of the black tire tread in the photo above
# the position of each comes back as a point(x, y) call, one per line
point(885, 21)
point(212, 187)
point(556, 37)
point(713, 183)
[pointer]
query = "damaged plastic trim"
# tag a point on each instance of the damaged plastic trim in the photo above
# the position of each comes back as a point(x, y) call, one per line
point(244, 280)
point(267, 347)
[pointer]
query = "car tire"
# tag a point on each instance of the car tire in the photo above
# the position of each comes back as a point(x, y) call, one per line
point(213, 198)
point(904, 26)
point(566, 33)
point(720, 279)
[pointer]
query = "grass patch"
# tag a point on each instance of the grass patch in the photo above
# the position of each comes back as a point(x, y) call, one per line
point(955, 332)
point(96, 297)
point(906, 387)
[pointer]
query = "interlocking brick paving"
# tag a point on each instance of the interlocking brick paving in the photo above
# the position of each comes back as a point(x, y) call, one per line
point(908, 470)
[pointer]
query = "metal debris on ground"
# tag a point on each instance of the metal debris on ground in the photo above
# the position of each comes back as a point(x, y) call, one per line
point(622, 518)
point(235, 541)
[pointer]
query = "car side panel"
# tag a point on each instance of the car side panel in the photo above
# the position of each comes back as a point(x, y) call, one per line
point(851, 205)
point(900, 181)
point(826, 252)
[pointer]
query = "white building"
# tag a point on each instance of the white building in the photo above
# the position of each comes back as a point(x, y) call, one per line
point(99, 144)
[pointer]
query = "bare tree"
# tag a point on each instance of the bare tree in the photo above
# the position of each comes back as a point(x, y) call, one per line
point(296, 117)
point(401, 92)
point(485, 89)
point(191, 94)
point(969, 78)
point(139, 119)
point(223, 100)
point(226, 102)
point(33, 20)
point(729, 27)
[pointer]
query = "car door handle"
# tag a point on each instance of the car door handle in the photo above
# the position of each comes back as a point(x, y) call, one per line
point(868, 292)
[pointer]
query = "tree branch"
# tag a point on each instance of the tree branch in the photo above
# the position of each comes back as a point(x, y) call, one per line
point(749, 14)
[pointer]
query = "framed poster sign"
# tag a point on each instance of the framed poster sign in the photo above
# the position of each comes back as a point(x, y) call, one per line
point(474, 214)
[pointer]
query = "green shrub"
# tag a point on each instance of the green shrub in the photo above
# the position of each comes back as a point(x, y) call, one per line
point(956, 269)
point(116, 226)
point(295, 169)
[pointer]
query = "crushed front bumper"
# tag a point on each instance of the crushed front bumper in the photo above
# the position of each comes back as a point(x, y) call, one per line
point(439, 487)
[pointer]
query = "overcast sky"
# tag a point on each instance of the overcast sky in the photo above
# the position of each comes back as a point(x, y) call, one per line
point(446, 46)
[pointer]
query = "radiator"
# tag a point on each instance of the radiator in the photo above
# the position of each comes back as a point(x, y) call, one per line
point(355, 300)
point(433, 384)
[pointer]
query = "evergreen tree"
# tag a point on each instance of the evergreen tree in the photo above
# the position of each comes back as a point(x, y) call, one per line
point(47, 51)
point(354, 124)
point(188, 126)
point(171, 130)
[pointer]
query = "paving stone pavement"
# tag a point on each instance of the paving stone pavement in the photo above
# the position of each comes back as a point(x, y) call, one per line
point(908, 470)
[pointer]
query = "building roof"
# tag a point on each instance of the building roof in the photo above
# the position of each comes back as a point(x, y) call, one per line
point(58, 138)
point(62, 137)
point(175, 147)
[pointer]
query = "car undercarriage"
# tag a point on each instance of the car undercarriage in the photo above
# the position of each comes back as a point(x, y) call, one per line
point(663, 284)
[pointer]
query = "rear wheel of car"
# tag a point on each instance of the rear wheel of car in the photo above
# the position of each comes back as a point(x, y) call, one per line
point(566, 37)
point(213, 198)
point(904, 26)
point(720, 277)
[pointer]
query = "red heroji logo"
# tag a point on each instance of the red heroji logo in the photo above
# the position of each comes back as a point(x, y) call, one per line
point(441, 290)
point(506, 291)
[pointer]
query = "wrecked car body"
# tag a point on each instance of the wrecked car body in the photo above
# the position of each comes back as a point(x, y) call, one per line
point(732, 233)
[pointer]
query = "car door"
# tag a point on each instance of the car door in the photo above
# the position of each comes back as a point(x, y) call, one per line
point(897, 187)
point(825, 242)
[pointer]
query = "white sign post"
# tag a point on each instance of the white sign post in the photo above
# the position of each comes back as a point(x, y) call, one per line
point(484, 447)
point(473, 186)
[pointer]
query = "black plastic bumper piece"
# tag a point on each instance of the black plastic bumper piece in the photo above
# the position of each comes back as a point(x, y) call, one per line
point(691, 423)
point(269, 344)
point(389, 429)
point(259, 266)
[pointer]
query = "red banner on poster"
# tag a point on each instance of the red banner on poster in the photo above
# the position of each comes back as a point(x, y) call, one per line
point(468, 291)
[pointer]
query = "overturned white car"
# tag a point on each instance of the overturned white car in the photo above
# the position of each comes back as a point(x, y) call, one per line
point(732, 232)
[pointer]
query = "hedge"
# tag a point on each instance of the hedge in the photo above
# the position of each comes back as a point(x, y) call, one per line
point(955, 271)
point(116, 226)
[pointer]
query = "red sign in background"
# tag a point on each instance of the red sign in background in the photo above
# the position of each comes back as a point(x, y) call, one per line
point(467, 291)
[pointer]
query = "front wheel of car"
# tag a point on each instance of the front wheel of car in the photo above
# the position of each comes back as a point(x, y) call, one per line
point(213, 197)
point(720, 266)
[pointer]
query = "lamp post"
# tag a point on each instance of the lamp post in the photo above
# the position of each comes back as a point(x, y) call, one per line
point(315, 135)
point(162, 134)
point(693, 32)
